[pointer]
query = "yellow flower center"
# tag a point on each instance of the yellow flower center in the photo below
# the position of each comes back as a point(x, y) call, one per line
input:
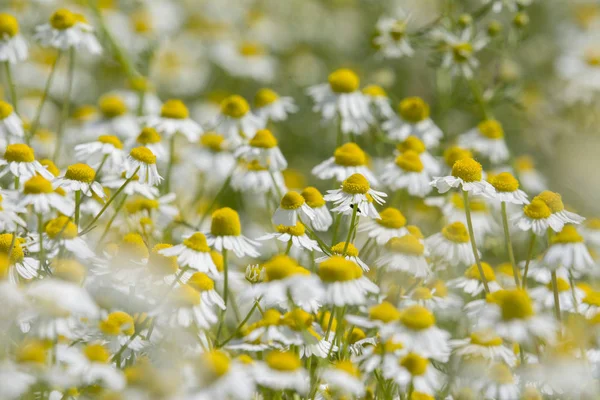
point(473, 272)
point(343, 81)
point(391, 218)
point(467, 169)
point(440, 288)
point(197, 242)
point(264, 97)
point(186, 296)
point(593, 223)
point(505, 269)
point(552, 200)
point(384, 312)
point(356, 335)
point(4, 267)
point(411, 143)
point(37, 185)
point(356, 184)
point(425, 396)
point(61, 227)
point(201, 282)
point(118, 322)
point(422, 293)
point(415, 364)
point(389, 346)
point(251, 49)
point(162, 265)
point(348, 367)
point(255, 165)
point(80, 172)
point(350, 155)
point(592, 298)
point(69, 270)
point(9, 26)
point(456, 232)
point(143, 154)
point(280, 267)
point(338, 269)
point(297, 230)
point(351, 251)
point(524, 163)
point(96, 353)
point(485, 339)
point(454, 153)
point(216, 362)
point(174, 109)
point(569, 234)
point(298, 319)
point(112, 106)
point(32, 351)
point(263, 139)
point(291, 201)
point(6, 109)
point(407, 244)
point(504, 182)
point(417, 318)
point(62, 19)
point(313, 197)
point(562, 285)
point(410, 161)
point(19, 152)
point(531, 393)
point(212, 141)
point(501, 374)
point(515, 304)
point(462, 52)
point(148, 136)
point(110, 139)
point(592, 57)
point(142, 204)
point(83, 113)
point(217, 258)
point(413, 110)
point(50, 166)
point(286, 361)
point(235, 106)
point(17, 254)
point(374, 91)
point(225, 222)
point(537, 209)
point(134, 246)
point(140, 84)
point(491, 129)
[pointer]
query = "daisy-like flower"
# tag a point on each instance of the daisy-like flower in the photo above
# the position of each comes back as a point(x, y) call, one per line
point(292, 206)
point(413, 370)
point(483, 344)
point(272, 107)
point(568, 298)
point(391, 223)
point(39, 194)
point(341, 99)
point(511, 5)
point(392, 39)
point(9, 214)
point(459, 51)
point(61, 232)
point(11, 126)
point(226, 233)
point(206, 287)
point(454, 153)
point(435, 298)
point(430, 163)
point(236, 121)
point(142, 162)
point(353, 193)
point(379, 101)
point(413, 120)
point(282, 371)
point(452, 245)
point(466, 174)
point(507, 189)
point(568, 250)
point(538, 218)
point(194, 252)
point(13, 48)
point(20, 161)
point(407, 172)
point(343, 379)
point(118, 330)
point(114, 117)
point(405, 253)
point(344, 282)
point(350, 253)
point(106, 151)
point(150, 138)
point(214, 158)
point(255, 178)
point(383, 316)
point(531, 179)
point(347, 159)
point(134, 187)
point(554, 201)
point(263, 147)
point(174, 118)
point(486, 139)
point(219, 376)
point(296, 235)
point(80, 177)
point(247, 60)
point(471, 282)
point(67, 30)
point(499, 382)
point(417, 331)
point(19, 265)
point(322, 218)
point(590, 231)
point(186, 307)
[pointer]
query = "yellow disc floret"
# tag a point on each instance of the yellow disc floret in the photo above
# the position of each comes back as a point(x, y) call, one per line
point(118, 322)
point(263, 139)
point(313, 197)
point(491, 129)
point(225, 222)
point(81, 173)
point(61, 227)
point(112, 140)
point(338, 269)
point(467, 169)
point(6, 241)
point(112, 106)
point(411, 143)
point(356, 184)
point(454, 153)
point(291, 201)
point(569, 234)
point(407, 244)
point(174, 109)
point(485, 339)
point(296, 230)
point(343, 81)
point(280, 267)
point(537, 209)
point(201, 282)
point(197, 242)
point(422, 293)
point(6, 110)
point(9, 26)
point(143, 154)
point(212, 141)
point(96, 353)
point(338, 249)
point(417, 318)
point(391, 218)
point(415, 364)
point(148, 136)
point(37, 185)
point(456, 232)
point(552, 200)
point(186, 296)
point(235, 106)
point(285, 361)
point(62, 19)
point(264, 97)
point(348, 367)
point(374, 91)
point(350, 155)
point(69, 270)
point(32, 351)
point(216, 363)
point(384, 312)
point(473, 272)
point(134, 246)
point(19, 152)
point(409, 161)
point(504, 182)
point(514, 304)
point(413, 110)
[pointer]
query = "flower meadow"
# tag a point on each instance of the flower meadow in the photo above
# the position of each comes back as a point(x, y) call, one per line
point(299, 199)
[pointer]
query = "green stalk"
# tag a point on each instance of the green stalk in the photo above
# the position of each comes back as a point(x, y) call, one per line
point(11, 86)
point(170, 165)
point(509, 247)
point(473, 244)
point(77, 206)
point(556, 299)
point(351, 229)
point(529, 255)
point(66, 103)
point(38, 113)
point(225, 293)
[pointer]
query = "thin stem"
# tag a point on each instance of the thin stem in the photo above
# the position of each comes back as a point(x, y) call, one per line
point(330, 323)
point(77, 206)
point(66, 103)
point(97, 174)
point(509, 247)
point(473, 244)
point(556, 299)
point(38, 113)
point(215, 199)
point(351, 229)
point(11, 86)
point(225, 292)
point(336, 226)
point(288, 247)
point(170, 165)
point(112, 219)
point(529, 255)
point(275, 185)
point(476, 90)
point(241, 324)
point(41, 234)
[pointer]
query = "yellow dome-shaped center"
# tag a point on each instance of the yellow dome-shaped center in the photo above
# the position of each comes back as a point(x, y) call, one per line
point(343, 81)
point(81, 173)
point(384, 312)
point(148, 136)
point(417, 318)
point(569, 234)
point(235, 106)
point(350, 155)
point(264, 97)
point(456, 232)
point(62, 19)
point(283, 361)
point(537, 209)
point(467, 169)
point(391, 218)
point(37, 185)
point(313, 197)
point(338, 269)
point(197, 242)
point(407, 244)
point(473, 272)
point(9, 26)
point(413, 110)
point(504, 182)
point(409, 161)
point(19, 153)
point(356, 184)
point(491, 129)
point(174, 109)
point(263, 139)
point(61, 227)
point(112, 106)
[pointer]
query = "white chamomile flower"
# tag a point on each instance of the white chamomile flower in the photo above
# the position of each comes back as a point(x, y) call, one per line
point(484, 344)
point(344, 282)
point(554, 201)
point(499, 382)
point(405, 253)
point(340, 99)
point(415, 371)
point(142, 162)
point(344, 378)
point(186, 307)
point(467, 175)
point(294, 235)
point(117, 331)
point(530, 178)
point(13, 48)
point(150, 138)
point(511, 5)
point(379, 101)
point(134, 186)
point(383, 316)
point(392, 38)
point(322, 218)
point(567, 249)
point(17, 264)
point(205, 285)
point(236, 121)
point(407, 172)
point(471, 282)
point(413, 120)
point(38, 193)
point(459, 51)
point(11, 126)
point(590, 231)
point(193, 253)
point(391, 223)
point(348, 251)
point(291, 207)
point(226, 234)
point(80, 177)
point(568, 298)
point(452, 245)
point(347, 159)
point(417, 331)
point(255, 178)
point(430, 163)
point(246, 60)
point(444, 305)
point(282, 371)
point(20, 161)
point(107, 151)
point(219, 376)
point(174, 118)
point(507, 189)
point(62, 233)
point(538, 218)
point(355, 192)
point(67, 30)
point(487, 139)
point(272, 107)
point(263, 148)
point(114, 118)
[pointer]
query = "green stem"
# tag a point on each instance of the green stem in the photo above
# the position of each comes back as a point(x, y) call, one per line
point(11, 86)
point(170, 165)
point(65, 106)
point(97, 174)
point(77, 206)
point(476, 90)
point(473, 244)
point(509, 247)
point(529, 255)
point(215, 199)
point(241, 324)
point(42, 250)
point(277, 189)
point(336, 226)
point(38, 113)
point(112, 219)
point(225, 292)
point(351, 229)
point(288, 247)
point(556, 299)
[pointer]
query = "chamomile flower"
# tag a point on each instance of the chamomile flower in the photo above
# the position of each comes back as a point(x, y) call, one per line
point(218, 375)
point(538, 218)
point(134, 187)
point(471, 282)
point(186, 307)
point(344, 282)
point(531, 179)
point(413, 120)
point(61, 232)
point(118, 329)
point(353, 193)
point(379, 101)
point(350, 253)
point(436, 298)
point(417, 331)
point(150, 138)
point(194, 253)
point(255, 178)
point(383, 316)
point(142, 162)
point(452, 245)
point(11, 126)
point(407, 172)
point(487, 139)
point(9, 214)
point(67, 30)
point(511, 5)
point(483, 344)
point(344, 378)
point(377, 351)
point(39, 194)
point(114, 117)
point(405, 253)
point(20, 161)
point(391, 223)
point(236, 121)
point(272, 107)
point(106, 150)
point(292, 206)
point(568, 298)
point(296, 235)
point(206, 287)
point(568, 250)
point(263, 148)
point(246, 59)
point(413, 370)
point(226, 234)
point(507, 189)
point(174, 118)
point(341, 99)
point(466, 174)
point(590, 231)
point(80, 177)
point(347, 159)
point(14, 260)
point(430, 163)
point(499, 382)
point(282, 371)
point(13, 48)
point(392, 37)
point(322, 219)
point(554, 201)
point(459, 51)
